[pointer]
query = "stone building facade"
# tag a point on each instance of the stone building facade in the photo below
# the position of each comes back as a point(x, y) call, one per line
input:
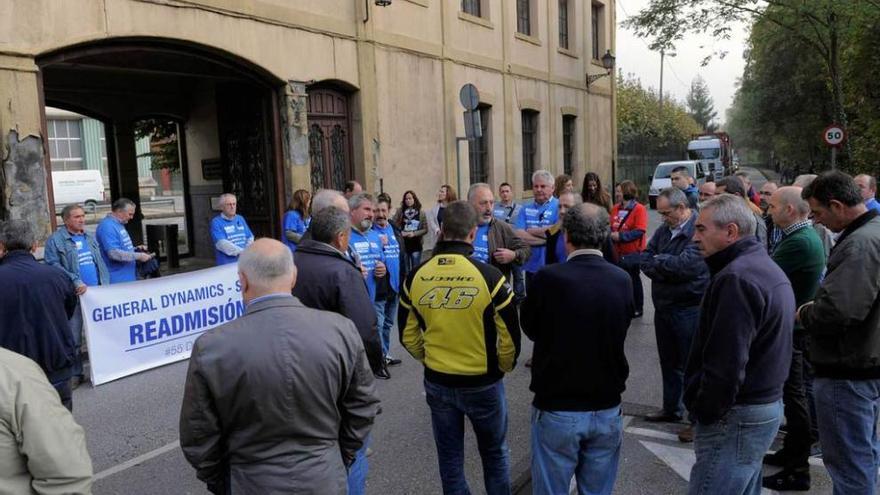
point(276, 95)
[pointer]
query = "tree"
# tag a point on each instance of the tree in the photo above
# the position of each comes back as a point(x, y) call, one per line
point(164, 151)
point(780, 106)
point(700, 105)
point(822, 26)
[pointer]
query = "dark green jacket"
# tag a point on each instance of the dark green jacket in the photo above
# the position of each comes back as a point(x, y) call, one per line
point(802, 257)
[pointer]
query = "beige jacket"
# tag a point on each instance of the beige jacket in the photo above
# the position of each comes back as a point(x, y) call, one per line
point(42, 449)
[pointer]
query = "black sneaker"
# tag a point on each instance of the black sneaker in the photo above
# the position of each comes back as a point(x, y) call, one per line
point(390, 361)
point(382, 374)
point(787, 480)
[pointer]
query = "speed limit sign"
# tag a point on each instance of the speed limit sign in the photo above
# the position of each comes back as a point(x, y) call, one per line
point(833, 135)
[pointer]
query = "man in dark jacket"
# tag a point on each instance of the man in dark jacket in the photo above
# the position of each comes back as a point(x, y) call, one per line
point(679, 277)
point(843, 322)
point(496, 242)
point(36, 302)
point(281, 399)
point(741, 353)
point(578, 314)
point(329, 280)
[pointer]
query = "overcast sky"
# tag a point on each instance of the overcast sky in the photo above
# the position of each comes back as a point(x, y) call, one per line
point(634, 57)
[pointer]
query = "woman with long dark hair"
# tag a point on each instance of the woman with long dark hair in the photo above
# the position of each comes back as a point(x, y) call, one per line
point(297, 218)
point(629, 226)
point(410, 220)
point(592, 192)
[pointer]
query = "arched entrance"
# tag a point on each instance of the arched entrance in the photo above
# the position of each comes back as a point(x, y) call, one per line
point(226, 114)
point(330, 145)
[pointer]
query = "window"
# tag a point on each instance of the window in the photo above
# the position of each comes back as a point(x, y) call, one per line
point(65, 144)
point(524, 17)
point(596, 20)
point(471, 7)
point(529, 145)
point(479, 148)
point(568, 140)
point(563, 24)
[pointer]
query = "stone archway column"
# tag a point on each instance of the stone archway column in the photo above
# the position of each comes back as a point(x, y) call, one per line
point(24, 163)
point(295, 138)
point(125, 179)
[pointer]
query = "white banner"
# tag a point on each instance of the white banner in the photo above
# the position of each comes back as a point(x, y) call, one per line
point(136, 326)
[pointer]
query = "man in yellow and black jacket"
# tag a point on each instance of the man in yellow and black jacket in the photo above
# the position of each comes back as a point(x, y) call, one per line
point(456, 316)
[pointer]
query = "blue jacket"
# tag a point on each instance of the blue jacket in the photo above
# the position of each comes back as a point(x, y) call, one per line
point(36, 302)
point(678, 274)
point(61, 251)
point(741, 352)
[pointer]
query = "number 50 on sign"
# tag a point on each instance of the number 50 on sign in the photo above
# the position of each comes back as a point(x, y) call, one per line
point(833, 135)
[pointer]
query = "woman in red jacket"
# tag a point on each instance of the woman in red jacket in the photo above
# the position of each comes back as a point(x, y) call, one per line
point(629, 226)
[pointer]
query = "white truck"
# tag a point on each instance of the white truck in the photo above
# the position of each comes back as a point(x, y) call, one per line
point(84, 187)
point(713, 152)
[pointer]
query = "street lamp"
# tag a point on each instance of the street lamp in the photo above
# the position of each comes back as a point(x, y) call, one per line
point(379, 3)
point(607, 63)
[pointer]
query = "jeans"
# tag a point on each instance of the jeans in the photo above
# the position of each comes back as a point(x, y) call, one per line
point(357, 472)
point(486, 408)
point(730, 452)
point(415, 259)
point(584, 444)
point(386, 315)
point(674, 329)
point(847, 414)
point(76, 328)
point(798, 437)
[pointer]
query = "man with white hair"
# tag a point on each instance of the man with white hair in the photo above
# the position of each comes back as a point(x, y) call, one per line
point(535, 219)
point(316, 402)
point(229, 231)
point(741, 352)
point(801, 256)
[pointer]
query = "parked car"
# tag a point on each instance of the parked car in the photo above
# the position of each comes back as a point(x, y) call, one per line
point(85, 187)
point(661, 178)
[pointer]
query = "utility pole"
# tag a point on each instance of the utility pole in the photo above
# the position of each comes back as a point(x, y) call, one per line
point(662, 54)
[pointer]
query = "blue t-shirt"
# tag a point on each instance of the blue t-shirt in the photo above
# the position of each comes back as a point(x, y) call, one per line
point(112, 235)
point(293, 221)
point(88, 270)
point(235, 231)
point(873, 204)
point(368, 246)
point(391, 250)
point(534, 215)
point(481, 244)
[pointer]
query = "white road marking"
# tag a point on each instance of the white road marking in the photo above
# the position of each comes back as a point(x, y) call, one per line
point(659, 435)
point(137, 460)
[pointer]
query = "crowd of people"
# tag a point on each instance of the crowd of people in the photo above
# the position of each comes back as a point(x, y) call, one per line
point(765, 307)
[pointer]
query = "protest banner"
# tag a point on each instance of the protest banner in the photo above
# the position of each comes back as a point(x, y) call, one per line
point(136, 326)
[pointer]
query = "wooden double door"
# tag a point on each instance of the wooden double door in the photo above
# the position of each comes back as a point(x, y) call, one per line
point(330, 145)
